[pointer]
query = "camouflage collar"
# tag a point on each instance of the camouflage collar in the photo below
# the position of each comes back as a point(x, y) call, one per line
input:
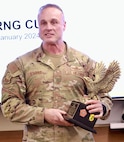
point(69, 53)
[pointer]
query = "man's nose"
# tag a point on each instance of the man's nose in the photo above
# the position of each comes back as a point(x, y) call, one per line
point(49, 26)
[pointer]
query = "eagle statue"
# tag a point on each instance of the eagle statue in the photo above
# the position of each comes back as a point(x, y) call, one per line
point(105, 79)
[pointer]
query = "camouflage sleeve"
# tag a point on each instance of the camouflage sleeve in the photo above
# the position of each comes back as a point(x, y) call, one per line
point(13, 104)
point(107, 102)
point(105, 98)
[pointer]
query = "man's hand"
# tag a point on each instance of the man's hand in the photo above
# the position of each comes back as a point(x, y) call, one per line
point(55, 117)
point(94, 106)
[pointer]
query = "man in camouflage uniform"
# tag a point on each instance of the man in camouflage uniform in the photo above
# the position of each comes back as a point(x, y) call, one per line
point(38, 87)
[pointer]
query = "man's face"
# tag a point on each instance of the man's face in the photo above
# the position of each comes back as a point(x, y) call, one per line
point(51, 25)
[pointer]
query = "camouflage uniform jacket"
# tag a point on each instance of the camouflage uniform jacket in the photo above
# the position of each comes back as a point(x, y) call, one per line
point(32, 83)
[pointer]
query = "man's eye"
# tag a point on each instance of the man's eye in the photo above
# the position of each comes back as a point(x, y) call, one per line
point(54, 22)
point(43, 23)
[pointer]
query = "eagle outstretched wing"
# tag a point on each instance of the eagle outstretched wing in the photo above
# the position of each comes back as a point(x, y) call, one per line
point(100, 71)
point(112, 74)
point(105, 78)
